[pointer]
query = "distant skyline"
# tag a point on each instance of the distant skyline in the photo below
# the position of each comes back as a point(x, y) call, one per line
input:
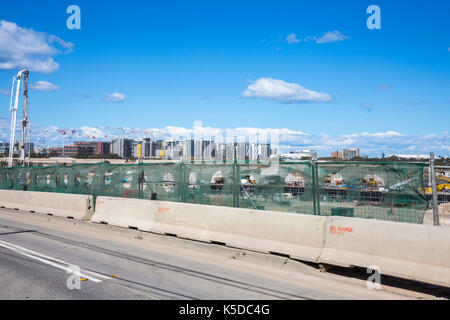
point(371, 144)
point(312, 69)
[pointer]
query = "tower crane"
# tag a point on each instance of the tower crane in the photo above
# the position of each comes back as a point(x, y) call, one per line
point(21, 75)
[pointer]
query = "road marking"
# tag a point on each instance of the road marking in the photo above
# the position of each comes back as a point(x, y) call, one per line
point(60, 265)
point(98, 275)
point(52, 261)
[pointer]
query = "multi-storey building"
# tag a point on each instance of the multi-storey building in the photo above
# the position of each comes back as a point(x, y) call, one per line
point(122, 147)
point(349, 154)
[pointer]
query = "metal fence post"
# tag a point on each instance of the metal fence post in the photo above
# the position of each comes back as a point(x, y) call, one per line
point(181, 183)
point(313, 174)
point(434, 191)
point(315, 187)
point(140, 181)
point(235, 186)
point(102, 184)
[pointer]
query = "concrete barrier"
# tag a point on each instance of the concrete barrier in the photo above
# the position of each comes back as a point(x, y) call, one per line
point(125, 212)
point(405, 250)
point(295, 235)
point(410, 251)
point(74, 206)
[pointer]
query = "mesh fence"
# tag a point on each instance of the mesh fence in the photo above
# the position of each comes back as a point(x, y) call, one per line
point(385, 191)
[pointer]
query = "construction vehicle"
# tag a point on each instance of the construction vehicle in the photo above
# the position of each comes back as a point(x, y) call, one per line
point(193, 186)
point(192, 180)
point(335, 186)
point(442, 189)
point(168, 182)
point(21, 75)
point(372, 188)
point(247, 186)
point(442, 185)
point(294, 185)
point(217, 181)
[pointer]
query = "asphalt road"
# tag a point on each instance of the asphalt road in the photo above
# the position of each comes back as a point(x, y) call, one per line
point(35, 255)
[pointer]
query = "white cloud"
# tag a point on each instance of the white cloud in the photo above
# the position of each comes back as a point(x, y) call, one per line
point(240, 133)
point(382, 134)
point(292, 38)
point(26, 48)
point(115, 97)
point(5, 92)
point(331, 36)
point(283, 92)
point(44, 86)
point(92, 132)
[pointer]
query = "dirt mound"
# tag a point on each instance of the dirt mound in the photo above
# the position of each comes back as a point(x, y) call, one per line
point(444, 215)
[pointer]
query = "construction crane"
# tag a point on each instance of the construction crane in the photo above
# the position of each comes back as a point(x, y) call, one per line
point(21, 75)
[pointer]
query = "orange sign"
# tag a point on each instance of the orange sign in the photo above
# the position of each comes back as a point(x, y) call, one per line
point(162, 210)
point(340, 230)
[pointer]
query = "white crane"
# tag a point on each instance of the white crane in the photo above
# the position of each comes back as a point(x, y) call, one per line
point(21, 75)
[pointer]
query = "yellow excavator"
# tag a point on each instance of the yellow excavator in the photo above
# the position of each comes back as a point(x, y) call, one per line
point(373, 189)
point(335, 186)
point(442, 185)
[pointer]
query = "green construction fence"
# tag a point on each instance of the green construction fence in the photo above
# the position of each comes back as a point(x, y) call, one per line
point(380, 190)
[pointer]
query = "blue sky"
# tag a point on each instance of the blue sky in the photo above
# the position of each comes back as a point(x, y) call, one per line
point(174, 62)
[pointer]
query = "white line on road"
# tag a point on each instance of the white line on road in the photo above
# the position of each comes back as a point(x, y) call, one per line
point(51, 261)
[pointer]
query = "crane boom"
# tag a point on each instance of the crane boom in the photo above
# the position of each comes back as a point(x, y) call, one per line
point(13, 104)
point(24, 116)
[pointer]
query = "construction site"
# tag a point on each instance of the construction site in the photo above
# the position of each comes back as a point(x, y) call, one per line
point(393, 191)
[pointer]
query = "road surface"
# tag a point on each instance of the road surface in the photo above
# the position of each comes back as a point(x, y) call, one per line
point(37, 251)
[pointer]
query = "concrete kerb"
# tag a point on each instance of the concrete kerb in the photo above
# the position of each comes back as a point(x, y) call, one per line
point(74, 206)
